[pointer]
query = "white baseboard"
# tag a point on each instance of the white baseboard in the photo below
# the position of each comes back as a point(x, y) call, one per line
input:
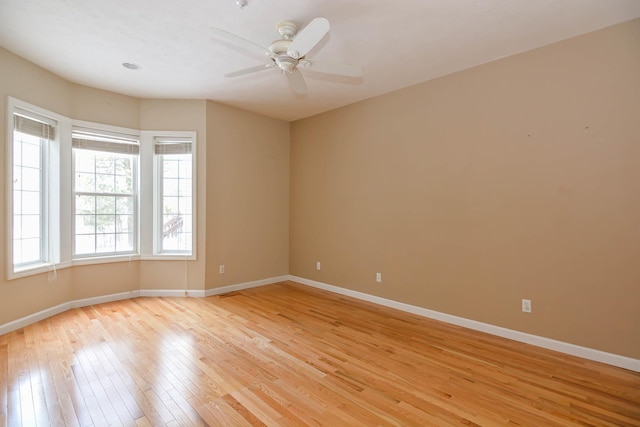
point(174, 293)
point(246, 285)
point(210, 292)
point(52, 311)
point(563, 347)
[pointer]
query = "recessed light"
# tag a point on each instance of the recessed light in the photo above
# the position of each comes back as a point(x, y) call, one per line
point(130, 66)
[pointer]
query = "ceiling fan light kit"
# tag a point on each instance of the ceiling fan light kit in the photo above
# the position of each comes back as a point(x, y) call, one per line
point(288, 53)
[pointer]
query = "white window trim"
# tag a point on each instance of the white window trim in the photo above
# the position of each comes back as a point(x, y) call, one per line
point(117, 132)
point(150, 197)
point(60, 210)
point(50, 243)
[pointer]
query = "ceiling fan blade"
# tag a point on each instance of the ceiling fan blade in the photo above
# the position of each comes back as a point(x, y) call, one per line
point(297, 83)
point(240, 42)
point(249, 70)
point(335, 68)
point(308, 37)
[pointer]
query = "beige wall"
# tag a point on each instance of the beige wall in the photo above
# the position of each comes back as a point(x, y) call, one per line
point(179, 115)
point(516, 179)
point(247, 196)
point(21, 79)
point(101, 106)
point(243, 178)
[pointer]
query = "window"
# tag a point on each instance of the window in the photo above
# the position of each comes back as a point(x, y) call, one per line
point(32, 135)
point(104, 190)
point(174, 189)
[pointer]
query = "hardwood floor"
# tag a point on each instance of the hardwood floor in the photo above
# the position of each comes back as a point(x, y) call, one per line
point(286, 354)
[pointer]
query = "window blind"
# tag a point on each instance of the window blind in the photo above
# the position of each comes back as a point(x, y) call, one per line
point(125, 144)
point(33, 126)
point(172, 145)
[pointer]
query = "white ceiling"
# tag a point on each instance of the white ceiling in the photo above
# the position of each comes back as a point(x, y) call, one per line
point(398, 43)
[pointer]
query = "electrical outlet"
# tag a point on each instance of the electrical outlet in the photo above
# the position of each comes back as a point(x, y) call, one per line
point(379, 277)
point(221, 269)
point(318, 265)
point(526, 305)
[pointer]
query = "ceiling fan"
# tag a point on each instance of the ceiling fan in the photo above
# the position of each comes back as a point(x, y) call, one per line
point(288, 53)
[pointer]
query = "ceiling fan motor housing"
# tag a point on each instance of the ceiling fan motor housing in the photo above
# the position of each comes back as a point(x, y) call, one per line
point(279, 48)
point(286, 63)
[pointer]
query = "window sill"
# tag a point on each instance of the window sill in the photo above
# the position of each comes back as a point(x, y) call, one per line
point(35, 269)
point(104, 259)
point(168, 257)
point(132, 257)
point(30, 270)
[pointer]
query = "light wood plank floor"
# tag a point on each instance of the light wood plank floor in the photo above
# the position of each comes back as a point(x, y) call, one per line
point(286, 354)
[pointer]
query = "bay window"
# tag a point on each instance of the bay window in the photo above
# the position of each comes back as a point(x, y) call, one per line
point(84, 192)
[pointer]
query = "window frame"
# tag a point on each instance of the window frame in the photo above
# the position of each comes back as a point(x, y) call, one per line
point(132, 138)
point(153, 138)
point(49, 190)
point(43, 196)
